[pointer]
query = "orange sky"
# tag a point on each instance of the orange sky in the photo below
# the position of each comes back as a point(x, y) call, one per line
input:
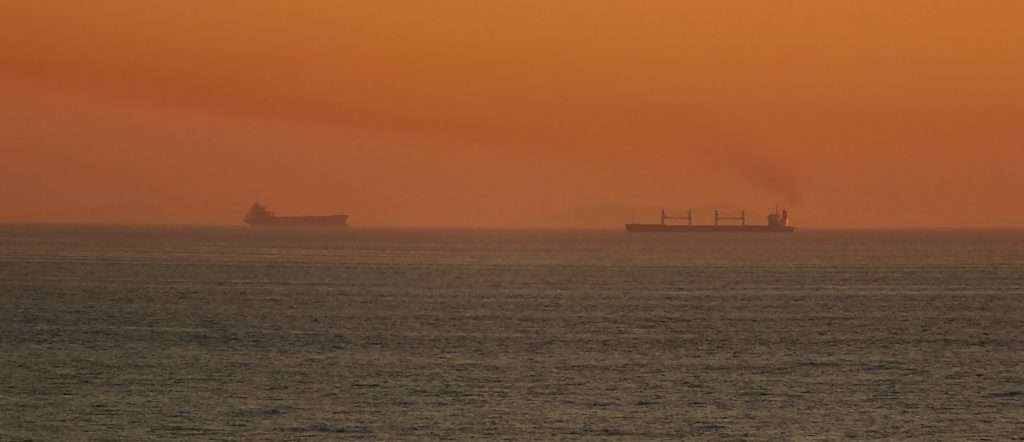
point(512, 114)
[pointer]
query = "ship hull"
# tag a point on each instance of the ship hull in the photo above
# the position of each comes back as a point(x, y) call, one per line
point(665, 228)
point(299, 221)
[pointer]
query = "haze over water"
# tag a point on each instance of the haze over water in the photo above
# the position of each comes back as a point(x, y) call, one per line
point(171, 333)
point(522, 114)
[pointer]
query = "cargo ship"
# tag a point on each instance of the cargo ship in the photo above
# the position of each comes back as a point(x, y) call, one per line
point(777, 223)
point(260, 216)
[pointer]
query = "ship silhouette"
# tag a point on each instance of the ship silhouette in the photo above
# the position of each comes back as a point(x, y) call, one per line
point(777, 222)
point(260, 216)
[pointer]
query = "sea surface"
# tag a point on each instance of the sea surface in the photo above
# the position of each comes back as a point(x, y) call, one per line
point(231, 333)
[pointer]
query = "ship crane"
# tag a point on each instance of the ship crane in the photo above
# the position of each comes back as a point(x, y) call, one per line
point(688, 217)
point(742, 218)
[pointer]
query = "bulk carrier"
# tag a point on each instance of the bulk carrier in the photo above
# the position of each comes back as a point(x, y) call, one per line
point(260, 216)
point(777, 223)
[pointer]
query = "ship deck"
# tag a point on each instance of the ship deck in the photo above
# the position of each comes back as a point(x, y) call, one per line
point(669, 228)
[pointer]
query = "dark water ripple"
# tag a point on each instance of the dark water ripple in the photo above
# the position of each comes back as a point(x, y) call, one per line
point(235, 334)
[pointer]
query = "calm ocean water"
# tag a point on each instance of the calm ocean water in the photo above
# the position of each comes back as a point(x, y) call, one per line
point(178, 333)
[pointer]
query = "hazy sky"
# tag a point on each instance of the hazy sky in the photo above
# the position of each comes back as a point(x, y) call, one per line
point(512, 113)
